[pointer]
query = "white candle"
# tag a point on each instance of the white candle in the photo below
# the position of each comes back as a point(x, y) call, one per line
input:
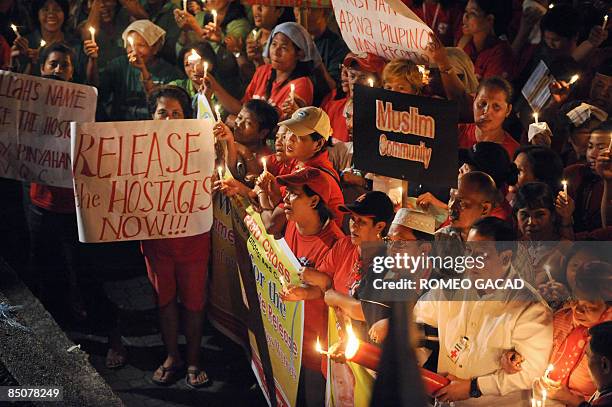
point(533, 402)
point(255, 34)
point(573, 79)
point(184, 5)
point(544, 394)
point(193, 57)
point(92, 31)
point(605, 22)
point(43, 43)
point(292, 93)
point(564, 182)
point(205, 68)
point(535, 116)
point(14, 27)
point(371, 82)
point(218, 112)
point(265, 167)
point(214, 14)
point(220, 172)
point(547, 270)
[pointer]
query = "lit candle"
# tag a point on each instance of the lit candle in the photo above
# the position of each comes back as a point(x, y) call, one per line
point(535, 116)
point(371, 82)
point(185, 5)
point(263, 161)
point(220, 172)
point(292, 93)
point(43, 43)
point(564, 182)
point(218, 112)
point(549, 370)
point(551, 6)
point(605, 22)
point(214, 14)
point(547, 270)
point(538, 403)
point(533, 402)
point(255, 34)
point(362, 353)
point(131, 41)
point(573, 79)
point(193, 57)
point(14, 27)
point(319, 349)
point(544, 394)
point(93, 34)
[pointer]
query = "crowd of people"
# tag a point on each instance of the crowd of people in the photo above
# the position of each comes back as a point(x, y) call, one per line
point(284, 81)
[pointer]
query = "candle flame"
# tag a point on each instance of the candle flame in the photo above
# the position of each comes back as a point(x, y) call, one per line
point(573, 79)
point(193, 57)
point(564, 183)
point(421, 69)
point(263, 161)
point(43, 43)
point(371, 82)
point(318, 346)
point(14, 28)
point(551, 6)
point(352, 345)
point(131, 41)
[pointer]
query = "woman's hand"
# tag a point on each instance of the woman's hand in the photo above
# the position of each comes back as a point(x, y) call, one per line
point(221, 131)
point(136, 61)
point(428, 199)
point(456, 390)
point(308, 275)
point(554, 292)
point(437, 51)
point(290, 105)
point(185, 21)
point(564, 205)
point(511, 361)
point(212, 32)
point(560, 91)
point(558, 391)
point(91, 49)
point(293, 293)
point(231, 187)
point(378, 332)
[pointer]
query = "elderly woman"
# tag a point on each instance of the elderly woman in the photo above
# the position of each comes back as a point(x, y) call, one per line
point(284, 82)
point(127, 80)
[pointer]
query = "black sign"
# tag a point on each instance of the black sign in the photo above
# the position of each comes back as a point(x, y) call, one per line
point(404, 136)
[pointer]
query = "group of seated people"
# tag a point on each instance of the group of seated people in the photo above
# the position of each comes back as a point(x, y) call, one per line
point(285, 91)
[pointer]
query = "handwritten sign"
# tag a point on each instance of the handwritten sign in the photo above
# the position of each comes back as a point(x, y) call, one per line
point(274, 265)
point(414, 137)
point(387, 28)
point(35, 116)
point(143, 180)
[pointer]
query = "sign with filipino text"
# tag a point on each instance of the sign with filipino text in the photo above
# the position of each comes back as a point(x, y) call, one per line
point(35, 116)
point(414, 137)
point(275, 265)
point(143, 179)
point(387, 28)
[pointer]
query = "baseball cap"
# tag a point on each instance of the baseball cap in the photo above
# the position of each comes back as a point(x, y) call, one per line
point(374, 203)
point(307, 120)
point(312, 177)
point(490, 158)
point(366, 61)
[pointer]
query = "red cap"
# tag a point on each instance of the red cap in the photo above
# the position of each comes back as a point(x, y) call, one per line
point(312, 177)
point(366, 61)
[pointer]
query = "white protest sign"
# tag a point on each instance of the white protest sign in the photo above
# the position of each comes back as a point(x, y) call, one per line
point(143, 179)
point(387, 28)
point(35, 116)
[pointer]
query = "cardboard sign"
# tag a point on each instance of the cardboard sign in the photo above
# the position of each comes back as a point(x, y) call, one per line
point(387, 28)
point(274, 265)
point(35, 116)
point(143, 179)
point(403, 136)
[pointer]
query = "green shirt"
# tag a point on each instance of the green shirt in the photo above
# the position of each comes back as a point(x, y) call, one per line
point(186, 84)
point(121, 90)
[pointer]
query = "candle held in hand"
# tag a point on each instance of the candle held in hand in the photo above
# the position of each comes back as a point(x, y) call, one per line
point(43, 43)
point(573, 79)
point(214, 14)
point(220, 172)
point(14, 28)
point(185, 5)
point(564, 183)
point(205, 68)
point(319, 349)
point(92, 31)
point(605, 23)
point(535, 116)
point(265, 167)
point(292, 92)
point(371, 82)
point(218, 112)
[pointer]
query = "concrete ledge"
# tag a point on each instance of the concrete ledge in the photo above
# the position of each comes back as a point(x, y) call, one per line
point(41, 358)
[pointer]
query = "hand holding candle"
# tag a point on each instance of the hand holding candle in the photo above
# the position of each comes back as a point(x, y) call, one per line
point(218, 112)
point(573, 79)
point(220, 173)
point(292, 92)
point(564, 183)
point(605, 23)
point(14, 28)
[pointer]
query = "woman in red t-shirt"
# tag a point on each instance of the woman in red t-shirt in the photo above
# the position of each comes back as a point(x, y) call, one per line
point(284, 82)
point(483, 22)
point(310, 234)
point(491, 107)
point(442, 16)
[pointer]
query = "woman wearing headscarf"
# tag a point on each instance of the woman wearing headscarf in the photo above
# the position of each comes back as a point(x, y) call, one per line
point(127, 80)
point(292, 55)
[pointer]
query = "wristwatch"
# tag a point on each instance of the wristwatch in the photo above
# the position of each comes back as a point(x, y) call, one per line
point(474, 390)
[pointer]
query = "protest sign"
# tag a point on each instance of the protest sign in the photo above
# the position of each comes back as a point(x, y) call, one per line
point(275, 265)
point(387, 28)
point(404, 136)
point(35, 116)
point(142, 180)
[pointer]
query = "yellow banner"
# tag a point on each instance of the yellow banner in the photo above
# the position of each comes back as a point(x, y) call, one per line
point(348, 384)
point(274, 265)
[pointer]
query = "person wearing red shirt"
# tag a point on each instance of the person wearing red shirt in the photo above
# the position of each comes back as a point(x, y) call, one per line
point(599, 354)
point(310, 233)
point(491, 108)
point(441, 16)
point(178, 265)
point(491, 56)
point(293, 56)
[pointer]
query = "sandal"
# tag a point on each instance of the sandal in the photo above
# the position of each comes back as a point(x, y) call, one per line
point(168, 375)
point(196, 372)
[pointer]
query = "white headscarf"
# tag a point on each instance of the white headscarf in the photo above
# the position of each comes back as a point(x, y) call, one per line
point(300, 37)
point(149, 31)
